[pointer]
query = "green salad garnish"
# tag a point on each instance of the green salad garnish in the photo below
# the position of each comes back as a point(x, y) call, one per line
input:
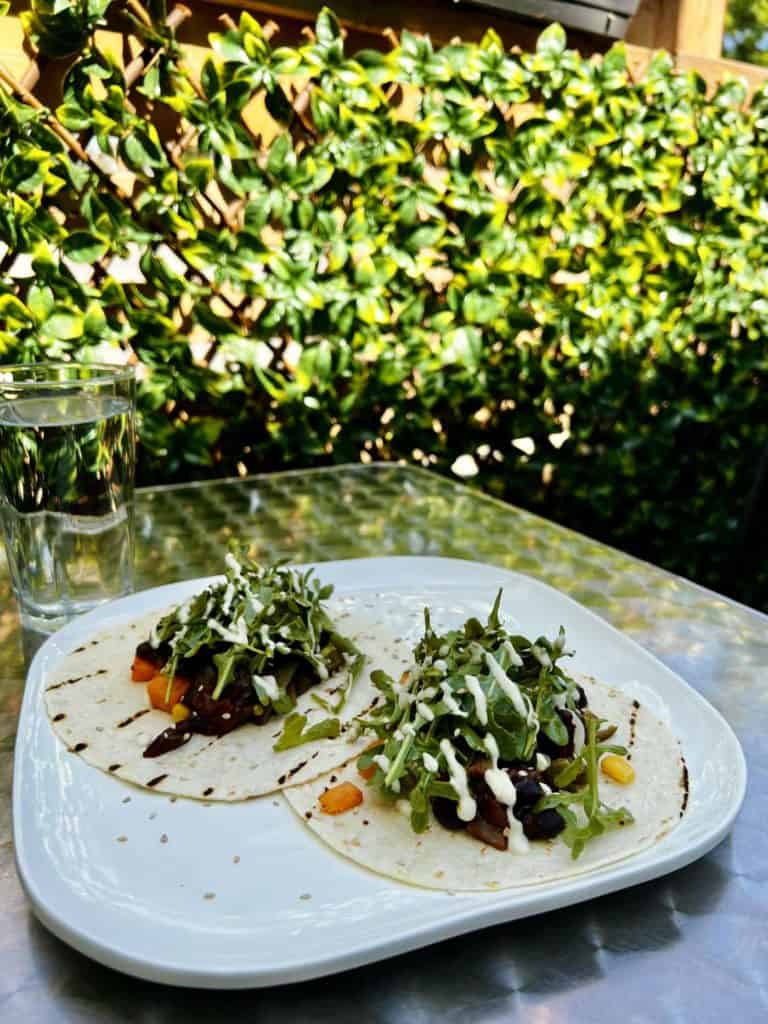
point(269, 624)
point(483, 698)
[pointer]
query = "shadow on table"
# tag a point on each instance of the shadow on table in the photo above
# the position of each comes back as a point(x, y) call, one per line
point(456, 980)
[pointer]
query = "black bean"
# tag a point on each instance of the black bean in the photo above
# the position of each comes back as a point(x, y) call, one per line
point(544, 825)
point(528, 793)
point(445, 812)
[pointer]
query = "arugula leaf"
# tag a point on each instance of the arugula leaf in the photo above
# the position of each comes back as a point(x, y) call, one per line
point(595, 817)
point(294, 734)
point(266, 621)
point(353, 674)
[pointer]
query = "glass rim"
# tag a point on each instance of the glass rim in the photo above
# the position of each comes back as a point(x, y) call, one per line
point(39, 377)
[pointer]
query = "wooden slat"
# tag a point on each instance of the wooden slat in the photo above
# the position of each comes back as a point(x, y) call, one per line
point(711, 70)
point(714, 71)
point(680, 26)
point(440, 19)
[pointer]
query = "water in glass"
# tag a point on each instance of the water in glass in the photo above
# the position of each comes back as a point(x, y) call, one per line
point(66, 488)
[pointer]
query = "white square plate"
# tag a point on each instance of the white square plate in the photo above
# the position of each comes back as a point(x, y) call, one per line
point(240, 895)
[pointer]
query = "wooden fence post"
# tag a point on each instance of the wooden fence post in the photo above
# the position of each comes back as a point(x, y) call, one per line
point(680, 26)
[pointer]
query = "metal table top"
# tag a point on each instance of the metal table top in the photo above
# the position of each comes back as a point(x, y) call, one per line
point(689, 947)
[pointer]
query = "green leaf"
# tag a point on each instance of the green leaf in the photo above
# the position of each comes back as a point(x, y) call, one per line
point(63, 325)
point(73, 117)
point(294, 733)
point(84, 247)
point(552, 41)
point(14, 311)
point(40, 301)
point(327, 28)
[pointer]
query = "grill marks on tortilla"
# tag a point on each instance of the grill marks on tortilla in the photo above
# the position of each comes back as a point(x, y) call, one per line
point(685, 785)
point(294, 771)
point(95, 702)
point(65, 682)
point(297, 769)
point(632, 728)
point(76, 679)
point(133, 717)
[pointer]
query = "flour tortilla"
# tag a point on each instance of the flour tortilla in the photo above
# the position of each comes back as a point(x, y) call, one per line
point(378, 837)
point(106, 719)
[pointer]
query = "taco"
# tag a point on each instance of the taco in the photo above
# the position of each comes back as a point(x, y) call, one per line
point(247, 687)
point(489, 767)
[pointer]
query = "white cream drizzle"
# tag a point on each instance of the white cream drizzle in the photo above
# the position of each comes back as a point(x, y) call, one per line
point(579, 734)
point(232, 563)
point(514, 657)
point(472, 683)
point(541, 656)
point(184, 612)
point(493, 748)
point(467, 808)
point(430, 763)
point(425, 711)
point(269, 685)
point(542, 762)
point(450, 701)
point(404, 699)
point(519, 701)
point(382, 761)
point(504, 790)
point(226, 601)
point(238, 634)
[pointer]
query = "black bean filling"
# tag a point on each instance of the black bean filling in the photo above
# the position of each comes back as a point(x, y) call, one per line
point(238, 702)
point(490, 823)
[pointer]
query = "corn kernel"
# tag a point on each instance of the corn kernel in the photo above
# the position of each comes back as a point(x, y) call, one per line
point(179, 712)
point(618, 769)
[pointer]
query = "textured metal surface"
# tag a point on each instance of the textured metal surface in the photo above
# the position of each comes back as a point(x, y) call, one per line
point(691, 947)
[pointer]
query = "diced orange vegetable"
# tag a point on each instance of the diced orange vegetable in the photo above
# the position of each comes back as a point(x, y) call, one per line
point(405, 678)
point(370, 771)
point(618, 769)
point(157, 688)
point(340, 798)
point(142, 670)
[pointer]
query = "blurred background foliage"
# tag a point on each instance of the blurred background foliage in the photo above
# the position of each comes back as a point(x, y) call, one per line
point(746, 31)
point(526, 270)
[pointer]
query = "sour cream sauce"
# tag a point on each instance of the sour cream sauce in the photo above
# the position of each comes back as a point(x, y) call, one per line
point(472, 683)
point(467, 808)
point(503, 788)
point(519, 701)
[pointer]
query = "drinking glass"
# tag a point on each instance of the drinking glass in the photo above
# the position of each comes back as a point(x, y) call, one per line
point(67, 455)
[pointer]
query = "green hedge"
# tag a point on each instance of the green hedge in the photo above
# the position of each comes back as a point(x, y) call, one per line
point(530, 264)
